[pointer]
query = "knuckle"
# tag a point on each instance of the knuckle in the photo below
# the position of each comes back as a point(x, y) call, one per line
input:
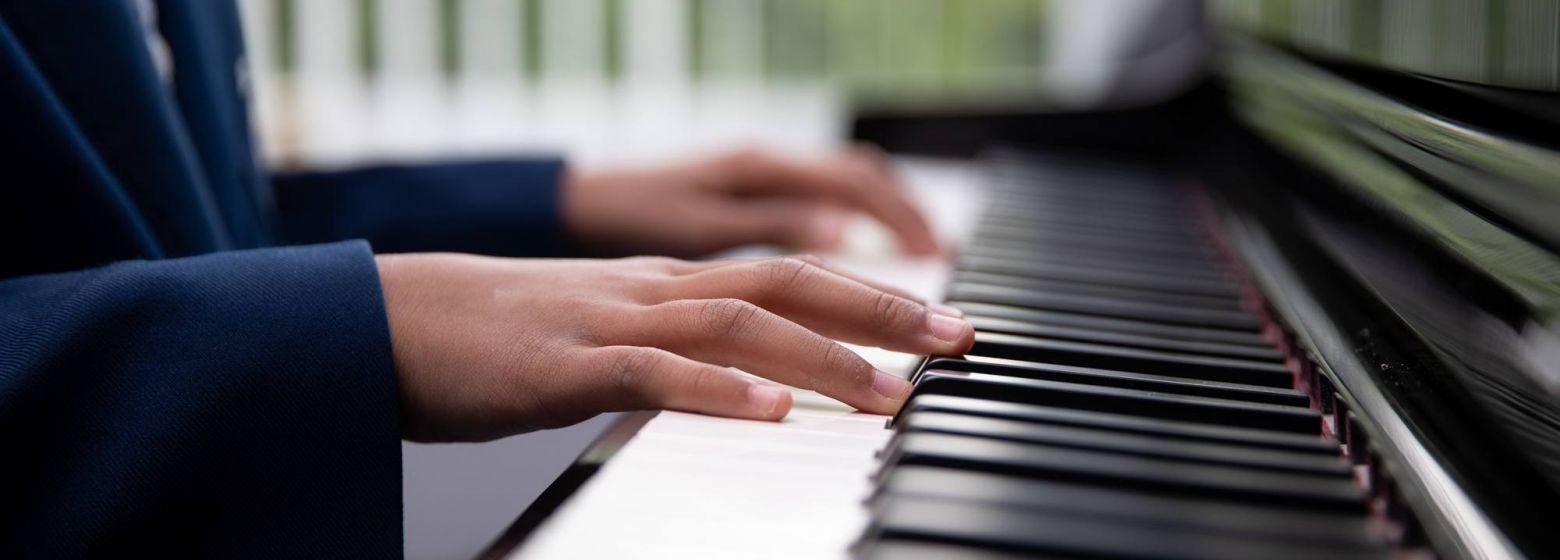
point(894, 311)
point(809, 258)
point(785, 274)
point(701, 380)
point(730, 317)
point(840, 360)
point(632, 368)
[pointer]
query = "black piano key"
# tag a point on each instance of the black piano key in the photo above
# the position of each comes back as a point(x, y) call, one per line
point(1126, 380)
point(919, 519)
point(1042, 330)
point(1231, 301)
point(1111, 263)
point(1130, 208)
point(1111, 470)
point(1013, 238)
point(1203, 515)
point(1313, 444)
point(1212, 368)
point(1107, 307)
point(1124, 444)
point(1111, 324)
point(1143, 203)
point(1091, 222)
point(1106, 278)
point(1015, 241)
point(1089, 256)
point(911, 550)
point(1125, 401)
point(1104, 240)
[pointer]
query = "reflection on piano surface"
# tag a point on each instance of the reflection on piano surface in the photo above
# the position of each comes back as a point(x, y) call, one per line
point(1323, 321)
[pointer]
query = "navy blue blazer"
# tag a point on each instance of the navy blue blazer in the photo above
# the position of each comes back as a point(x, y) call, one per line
point(194, 357)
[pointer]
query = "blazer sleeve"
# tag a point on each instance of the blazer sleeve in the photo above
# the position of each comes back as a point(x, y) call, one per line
point(235, 404)
point(500, 207)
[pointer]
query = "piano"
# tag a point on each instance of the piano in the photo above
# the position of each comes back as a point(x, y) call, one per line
point(1308, 308)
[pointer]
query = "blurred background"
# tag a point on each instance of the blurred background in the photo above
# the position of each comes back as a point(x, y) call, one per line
point(337, 82)
point(608, 82)
point(340, 81)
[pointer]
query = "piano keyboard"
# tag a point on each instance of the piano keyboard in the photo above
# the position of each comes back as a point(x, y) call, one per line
point(1122, 399)
point(1125, 398)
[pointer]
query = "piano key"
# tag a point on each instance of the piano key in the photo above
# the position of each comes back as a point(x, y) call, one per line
point(1068, 214)
point(1106, 277)
point(1110, 470)
point(1137, 203)
point(1088, 220)
point(1070, 287)
point(1099, 242)
point(907, 550)
point(1033, 349)
point(1031, 228)
point(1124, 444)
point(1111, 265)
point(1061, 250)
point(1107, 307)
point(1125, 401)
point(1190, 431)
point(1125, 380)
point(1061, 318)
point(1120, 255)
point(921, 519)
point(1003, 491)
point(1045, 242)
point(1042, 330)
point(1156, 200)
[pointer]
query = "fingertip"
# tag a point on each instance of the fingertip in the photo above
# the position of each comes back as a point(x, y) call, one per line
point(891, 392)
point(890, 386)
point(768, 402)
point(954, 333)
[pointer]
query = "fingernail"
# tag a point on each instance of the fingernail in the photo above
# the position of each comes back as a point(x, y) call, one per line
point(947, 310)
point(765, 398)
point(890, 386)
point(945, 327)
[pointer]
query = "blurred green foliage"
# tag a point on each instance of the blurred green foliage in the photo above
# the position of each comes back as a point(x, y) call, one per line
point(870, 46)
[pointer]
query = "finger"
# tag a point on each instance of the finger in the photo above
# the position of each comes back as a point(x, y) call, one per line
point(736, 333)
point(851, 185)
point(870, 154)
point(814, 260)
point(790, 221)
point(693, 267)
point(831, 305)
point(638, 378)
point(826, 265)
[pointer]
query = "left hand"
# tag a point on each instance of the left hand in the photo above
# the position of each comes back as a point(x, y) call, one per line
point(745, 197)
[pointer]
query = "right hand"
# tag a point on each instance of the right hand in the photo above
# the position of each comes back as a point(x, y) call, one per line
point(487, 347)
